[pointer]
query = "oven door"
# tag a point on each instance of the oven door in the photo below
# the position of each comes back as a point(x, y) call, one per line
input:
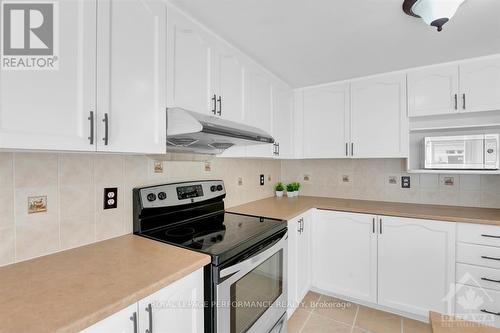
point(251, 294)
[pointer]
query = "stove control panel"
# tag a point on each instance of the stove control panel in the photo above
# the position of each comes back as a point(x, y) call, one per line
point(168, 195)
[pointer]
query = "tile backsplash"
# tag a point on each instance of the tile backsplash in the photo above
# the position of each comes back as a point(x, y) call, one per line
point(74, 184)
point(380, 179)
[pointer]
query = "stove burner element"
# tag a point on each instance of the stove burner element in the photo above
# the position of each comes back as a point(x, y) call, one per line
point(180, 232)
point(207, 238)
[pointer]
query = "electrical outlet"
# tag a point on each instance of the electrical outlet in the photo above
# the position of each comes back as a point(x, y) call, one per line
point(261, 180)
point(269, 179)
point(307, 178)
point(405, 182)
point(158, 166)
point(208, 167)
point(110, 198)
point(449, 181)
point(346, 179)
point(240, 181)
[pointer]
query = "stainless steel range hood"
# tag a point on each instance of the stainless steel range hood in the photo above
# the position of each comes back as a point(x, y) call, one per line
point(191, 132)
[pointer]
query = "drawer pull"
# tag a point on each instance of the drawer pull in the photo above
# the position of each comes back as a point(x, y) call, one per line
point(490, 258)
point(489, 312)
point(490, 280)
point(489, 236)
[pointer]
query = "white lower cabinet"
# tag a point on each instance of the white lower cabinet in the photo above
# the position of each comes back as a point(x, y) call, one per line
point(344, 254)
point(175, 308)
point(299, 259)
point(416, 264)
point(406, 265)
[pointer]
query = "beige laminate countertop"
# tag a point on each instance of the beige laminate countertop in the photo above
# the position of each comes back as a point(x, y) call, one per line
point(71, 290)
point(287, 208)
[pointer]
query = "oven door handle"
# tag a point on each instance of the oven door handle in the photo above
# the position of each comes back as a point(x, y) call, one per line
point(254, 260)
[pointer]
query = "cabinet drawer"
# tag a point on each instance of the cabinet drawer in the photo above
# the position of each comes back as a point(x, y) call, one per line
point(479, 234)
point(474, 275)
point(479, 255)
point(477, 304)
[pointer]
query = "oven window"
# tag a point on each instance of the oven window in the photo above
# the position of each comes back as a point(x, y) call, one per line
point(255, 292)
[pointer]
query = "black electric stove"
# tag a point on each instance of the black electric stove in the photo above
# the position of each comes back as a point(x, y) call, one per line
point(191, 215)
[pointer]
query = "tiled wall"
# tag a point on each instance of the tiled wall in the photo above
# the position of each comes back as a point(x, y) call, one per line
point(73, 184)
point(369, 179)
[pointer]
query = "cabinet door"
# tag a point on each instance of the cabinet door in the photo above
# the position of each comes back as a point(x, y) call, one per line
point(303, 257)
point(299, 260)
point(480, 85)
point(49, 109)
point(379, 125)
point(131, 76)
point(433, 91)
point(293, 235)
point(175, 308)
point(258, 100)
point(229, 77)
point(416, 264)
point(189, 65)
point(283, 121)
point(344, 257)
point(124, 321)
point(326, 121)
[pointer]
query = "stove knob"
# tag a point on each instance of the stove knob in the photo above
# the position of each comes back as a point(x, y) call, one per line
point(151, 197)
point(219, 187)
point(213, 188)
point(162, 195)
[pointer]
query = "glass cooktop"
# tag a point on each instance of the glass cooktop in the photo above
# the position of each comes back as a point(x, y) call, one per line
point(222, 235)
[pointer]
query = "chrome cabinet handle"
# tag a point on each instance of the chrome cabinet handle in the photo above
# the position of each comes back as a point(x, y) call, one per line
point(373, 225)
point(346, 149)
point(489, 236)
point(352, 148)
point(490, 280)
point(134, 320)
point(149, 309)
point(463, 100)
point(299, 228)
point(91, 119)
point(490, 258)
point(106, 129)
point(380, 225)
point(214, 99)
point(220, 105)
point(278, 149)
point(302, 225)
point(489, 312)
point(456, 101)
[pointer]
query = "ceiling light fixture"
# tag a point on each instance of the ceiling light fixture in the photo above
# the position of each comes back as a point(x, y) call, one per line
point(434, 12)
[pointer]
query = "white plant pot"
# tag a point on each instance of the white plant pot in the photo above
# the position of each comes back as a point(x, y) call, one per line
point(289, 194)
point(279, 194)
point(296, 193)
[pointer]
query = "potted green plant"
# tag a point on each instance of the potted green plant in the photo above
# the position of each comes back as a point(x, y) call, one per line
point(290, 190)
point(296, 187)
point(279, 189)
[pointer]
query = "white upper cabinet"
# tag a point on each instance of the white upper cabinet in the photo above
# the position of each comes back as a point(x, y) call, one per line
point(416, 264)
point(131, 95)
point(229, 79)
point(480, 85)
point(433, 91)
point(469, 86)
point(282, 122)
point(326, 121)
point(379, 123)
point(344, 254)
point(189, 65)
point(258, 99)
point(49, 109)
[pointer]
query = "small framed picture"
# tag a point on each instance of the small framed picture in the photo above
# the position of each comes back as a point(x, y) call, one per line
point(37, 204)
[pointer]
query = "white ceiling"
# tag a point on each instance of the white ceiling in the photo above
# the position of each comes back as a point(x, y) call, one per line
point(307, 42)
